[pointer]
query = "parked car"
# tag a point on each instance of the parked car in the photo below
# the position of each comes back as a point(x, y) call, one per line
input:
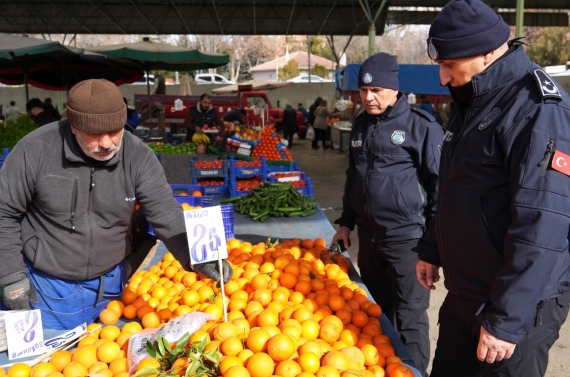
point(211, 78)
point(142, 80)
point(305, 78)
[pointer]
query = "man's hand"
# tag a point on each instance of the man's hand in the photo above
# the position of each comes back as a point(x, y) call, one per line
point(210, 270)
point(17, 295)
point(342, 234)
point(427, 274)
point(491, 348)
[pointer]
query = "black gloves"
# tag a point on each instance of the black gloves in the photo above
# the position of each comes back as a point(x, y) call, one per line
point(16, 295)
point(210, 270)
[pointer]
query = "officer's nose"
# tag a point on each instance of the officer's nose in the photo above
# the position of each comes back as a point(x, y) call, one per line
point(444, 75)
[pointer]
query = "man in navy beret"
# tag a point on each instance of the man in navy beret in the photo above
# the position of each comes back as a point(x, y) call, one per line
point(504, 208)
point(390, 194)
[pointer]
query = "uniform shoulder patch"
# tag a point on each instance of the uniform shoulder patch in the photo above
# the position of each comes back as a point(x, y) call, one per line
point(423, 114)
point(546, 85)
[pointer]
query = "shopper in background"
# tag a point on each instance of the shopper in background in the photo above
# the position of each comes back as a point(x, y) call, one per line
point(200, 114)
point(503, 209)
point(235, 116)
point(426, 105)
point(159, 84)
point(320, 125)
point(445, 113)
point(48, 106)
point(41, 116)
point(289, 124)
point(67, 193)
point(12, 112)
point(390, 194)
point(303, 111)
point(312, 109)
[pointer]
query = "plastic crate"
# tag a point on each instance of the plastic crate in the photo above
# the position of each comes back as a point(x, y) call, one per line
point(233, 187)
point(178, 188)
point(3, 156)
point(214, 190)
point(248, 172)
point(194, 201)
point(271, 177)
point(209, 173)
point(275, 166)
point(228, 219)
point(207, 201)
point(307, 190)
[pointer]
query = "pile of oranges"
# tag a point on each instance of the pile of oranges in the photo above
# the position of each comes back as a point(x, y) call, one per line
point(292, 312)
point(268, 146)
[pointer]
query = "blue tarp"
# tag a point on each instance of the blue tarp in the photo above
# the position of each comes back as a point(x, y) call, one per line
point(414, 78)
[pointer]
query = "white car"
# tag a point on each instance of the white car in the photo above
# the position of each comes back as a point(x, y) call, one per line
point(211, 78)
point(305, 78)
point(142, 80)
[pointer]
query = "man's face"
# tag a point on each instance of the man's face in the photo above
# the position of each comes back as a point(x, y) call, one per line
point(376, 99)
point(458, 72)
point(100, 147)
point(35, 111)
point(206, 103)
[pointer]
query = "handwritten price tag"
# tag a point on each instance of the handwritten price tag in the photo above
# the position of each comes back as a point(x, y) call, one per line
point(206, 235)
point(24, 333)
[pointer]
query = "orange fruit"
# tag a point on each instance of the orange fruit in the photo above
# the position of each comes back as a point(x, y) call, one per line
point(309, 362)
point(151, 320)
point(110, 332)
point(118, 365)
point(117, 306)
point(109, 317)
point(327, 371)
point(180, 365)
point(355, 357)
point(371, 355)
point(374, 310)
point(130, 311)
point(237, 371)
point(260, 365)
point(288, 368)
point(75, 369)
point(245, 355)
point(132, 327)
point(257, 340)
point(60, 359)
point(336, 359)
point(87, 340)
point(268, 318)
point(108, 352)
point(128, 297)
point(148, 362)
point(86, 355)
point(310, 330)
point(393, 359)
point(224, 331)
point(96, 367)
point(19, 370)
point(228, 362)
point(288, 280)
point(359, 318)
point(281, 347)
point(329, 332)
point(312, 347)
point(196, 193)
point(385, 350)
point(231, 346)
point(43, 369)
point(58, 374)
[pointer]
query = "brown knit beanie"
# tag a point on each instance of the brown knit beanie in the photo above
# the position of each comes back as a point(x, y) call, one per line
point(96, 106)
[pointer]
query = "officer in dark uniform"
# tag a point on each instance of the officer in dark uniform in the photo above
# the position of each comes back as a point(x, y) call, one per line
point(503, 209)
point(390, 194)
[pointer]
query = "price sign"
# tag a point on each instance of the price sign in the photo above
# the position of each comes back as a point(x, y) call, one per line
point(206, 235)
point(24, 333)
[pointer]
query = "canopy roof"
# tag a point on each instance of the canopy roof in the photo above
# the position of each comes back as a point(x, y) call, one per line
point(246, 17)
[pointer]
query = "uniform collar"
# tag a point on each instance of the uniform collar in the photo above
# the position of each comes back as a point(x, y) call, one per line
point(508, 67)
point(398, 108)
point(73, 152)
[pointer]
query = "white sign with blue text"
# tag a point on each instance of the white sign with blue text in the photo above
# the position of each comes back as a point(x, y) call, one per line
point(206, 235)
point(24, 333)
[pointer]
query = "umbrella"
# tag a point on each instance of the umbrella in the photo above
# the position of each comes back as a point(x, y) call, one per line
point(65, 74)
point(149, 56)
point(255, 85)
point(25, 53)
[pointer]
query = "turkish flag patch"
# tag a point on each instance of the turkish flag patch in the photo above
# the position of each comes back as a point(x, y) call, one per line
point(561, 162)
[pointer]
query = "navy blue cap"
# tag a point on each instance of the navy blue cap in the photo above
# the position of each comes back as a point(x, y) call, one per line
point(381, 70)
point(466, 28)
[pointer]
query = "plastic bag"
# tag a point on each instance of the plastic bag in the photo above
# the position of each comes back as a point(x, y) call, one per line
point(172, 331)
point(310, 133)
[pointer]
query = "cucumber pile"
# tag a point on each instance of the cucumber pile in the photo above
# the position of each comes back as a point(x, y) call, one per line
point(273, 200)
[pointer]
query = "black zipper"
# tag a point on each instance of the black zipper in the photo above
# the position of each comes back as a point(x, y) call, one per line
point(73, 204)
point(538, 320)
point(367, 194)
point(490, 233)
point(547, 154)
point(89, 206)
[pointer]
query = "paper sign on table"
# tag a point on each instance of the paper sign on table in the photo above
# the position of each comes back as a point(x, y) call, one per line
point(25, 333)
point(69, 336)
point(206, 234)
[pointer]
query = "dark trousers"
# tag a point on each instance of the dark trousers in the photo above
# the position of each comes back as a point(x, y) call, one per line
point(288, 132)
point(389, 272)
point(456, 352)
point(319, 135)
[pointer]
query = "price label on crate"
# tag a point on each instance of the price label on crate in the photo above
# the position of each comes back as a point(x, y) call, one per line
point(206, 234)
point(24, 333)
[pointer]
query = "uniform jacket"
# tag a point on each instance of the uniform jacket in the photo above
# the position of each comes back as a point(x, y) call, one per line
point(503, 211)
point(196, 116)
point(391, 181)
point(71, 217)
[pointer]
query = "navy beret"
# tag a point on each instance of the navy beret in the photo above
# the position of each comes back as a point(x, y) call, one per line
point(381, 70)
point(466, 28)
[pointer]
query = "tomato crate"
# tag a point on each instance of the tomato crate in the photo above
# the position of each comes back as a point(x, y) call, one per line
point(200, 168)
point(214, 189)
point(281, 165)
point(306, 190)
point(179, 189)
point(234, 186)
point(244, 172)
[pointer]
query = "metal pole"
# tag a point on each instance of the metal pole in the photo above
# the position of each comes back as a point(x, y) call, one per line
point(371, 40)
point(309, 55)
point(520, 18)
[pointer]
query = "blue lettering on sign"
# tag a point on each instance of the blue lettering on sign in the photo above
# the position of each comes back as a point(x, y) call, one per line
point(209, 172)
point(196, 214)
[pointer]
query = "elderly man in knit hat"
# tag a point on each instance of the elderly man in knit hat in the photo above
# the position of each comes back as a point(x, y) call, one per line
point(504, 208)
point(390, 194)
point(67, 193)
